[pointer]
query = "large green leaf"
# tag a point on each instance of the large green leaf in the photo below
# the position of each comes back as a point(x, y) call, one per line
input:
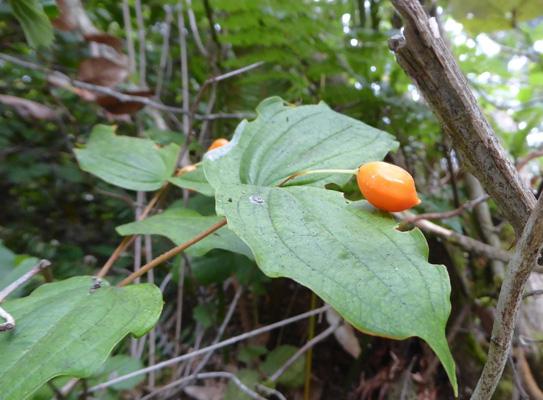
point(348, 253)
point(285, 140)
point(61, 329)
point(128, 162)
point(194, 180)
point(181, 224)
point(34, 21)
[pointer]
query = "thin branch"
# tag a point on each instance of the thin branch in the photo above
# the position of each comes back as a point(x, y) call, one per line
point(220, 331)
point(426, 59)
point(219, 345)
point(128, 240)
point(63, 80)
point(184, 72)
point(532, 293)
point(206, 375)
point(164, 51)
point(141, 40)
point(171, 253)
point(23, 279)
point(434, 362)
point(9, 325)
point(222, 328)
point(516, 378)
point(271, 391)
point(321, 336)
point(449, 214)
point(527, 253)
point(201, 93)
point(465, 242)
point(179, 304)
point(129, 41)
point(528, 158)
point(194, 29)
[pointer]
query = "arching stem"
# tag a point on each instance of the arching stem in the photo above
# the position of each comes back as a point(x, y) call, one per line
point(321, 171)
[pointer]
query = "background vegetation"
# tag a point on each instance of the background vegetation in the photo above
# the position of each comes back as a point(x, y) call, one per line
point(310, 51)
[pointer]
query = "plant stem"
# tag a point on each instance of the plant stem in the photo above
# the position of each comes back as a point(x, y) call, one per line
point(171, 253)
point(321, 171)
point(127, 240)
point(309, 354)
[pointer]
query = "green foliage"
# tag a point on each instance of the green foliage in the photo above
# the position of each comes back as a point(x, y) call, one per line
point(194, 180)
point(285, 140)
point(181, 224)
point(117, 366)
point(218, 265)
point(293, 376)
point(331, 51)
point(492, 15)
point(63, 329)
point(130, 163)
point(34, 21)
point(249, 377)
point(348, 254)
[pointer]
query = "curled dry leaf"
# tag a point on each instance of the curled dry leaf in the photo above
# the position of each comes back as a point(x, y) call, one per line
point(104, 38)
point(27, 108)
point(101, 71)
point(65, 21)
point(116, 106)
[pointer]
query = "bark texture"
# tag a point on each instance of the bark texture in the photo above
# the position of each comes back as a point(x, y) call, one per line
point(426, 60)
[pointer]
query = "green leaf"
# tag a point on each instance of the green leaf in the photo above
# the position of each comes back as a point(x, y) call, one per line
point(250, 353)
point(205, 314)
point(181, 224)
point(9, 274)
point(194, 180)
point(34, 21)
point(131, 163)
point(50, 8)
point(12, 267)
point(61, 329)
point(218, 265)
point(348, 253)
point(249, 377)
point(116, 366)
point(285, 140)
point(293, 376)
point(164, 138)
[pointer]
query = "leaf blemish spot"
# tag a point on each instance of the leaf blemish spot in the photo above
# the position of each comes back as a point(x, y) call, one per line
point(230, 199)
point(256, 199)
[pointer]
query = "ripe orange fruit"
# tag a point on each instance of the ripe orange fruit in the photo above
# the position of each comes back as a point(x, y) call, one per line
point(387, 187)
point(218, 143)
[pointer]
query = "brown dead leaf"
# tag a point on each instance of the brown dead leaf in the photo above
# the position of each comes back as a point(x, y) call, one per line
point(101, 71)
point(28, 108)
point(116, 106)
point(104, 38)
point(65, 21)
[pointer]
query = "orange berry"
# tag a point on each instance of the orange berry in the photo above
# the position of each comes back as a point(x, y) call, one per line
point(218, 143)
point(387, 186)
